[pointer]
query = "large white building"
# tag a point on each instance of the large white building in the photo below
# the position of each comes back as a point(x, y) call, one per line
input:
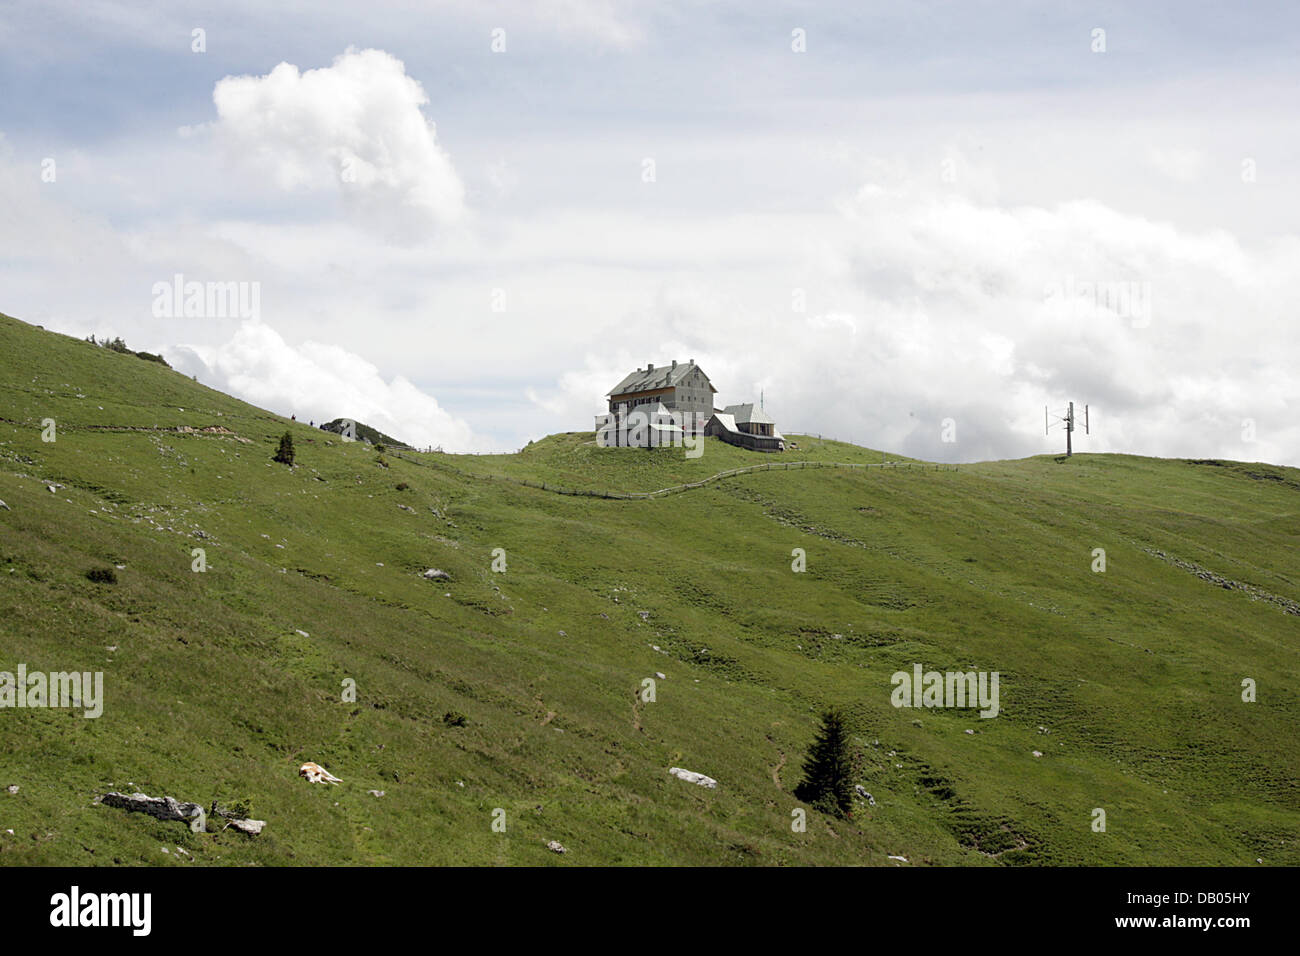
point(657, 406)
point(652, 407)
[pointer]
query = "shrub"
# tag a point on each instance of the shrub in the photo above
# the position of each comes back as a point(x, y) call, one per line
point(402, 486)
point(102, 575)
point(454, 718)
point(284, 454)
point(241, 809)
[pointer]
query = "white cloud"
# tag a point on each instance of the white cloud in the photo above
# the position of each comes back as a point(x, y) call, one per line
point(1180, 165)
point(603, 20)
point(356, 126)
point(926, 304)
point(321, 382)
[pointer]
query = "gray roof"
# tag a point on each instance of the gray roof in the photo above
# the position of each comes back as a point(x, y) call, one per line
point(749, 414)
point(661, 376)
point(726, 421)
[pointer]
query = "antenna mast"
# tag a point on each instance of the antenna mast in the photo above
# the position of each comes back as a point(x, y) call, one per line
point(1069, 421)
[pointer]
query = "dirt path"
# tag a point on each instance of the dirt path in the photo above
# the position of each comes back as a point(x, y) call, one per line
point(776, 771)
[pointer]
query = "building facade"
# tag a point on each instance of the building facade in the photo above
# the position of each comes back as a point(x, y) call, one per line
point(657, 406)
point(653, 407)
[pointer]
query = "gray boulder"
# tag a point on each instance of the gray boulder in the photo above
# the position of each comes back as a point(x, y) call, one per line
point(161, 808)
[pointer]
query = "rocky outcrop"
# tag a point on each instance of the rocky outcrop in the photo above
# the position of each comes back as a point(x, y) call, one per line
point(161, 808)
point(1228, 584)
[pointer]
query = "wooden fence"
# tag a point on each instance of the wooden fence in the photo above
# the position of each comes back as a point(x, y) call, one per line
point(675, 489)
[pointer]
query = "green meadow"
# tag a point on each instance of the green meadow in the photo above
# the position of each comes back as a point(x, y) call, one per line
point(1120, 690)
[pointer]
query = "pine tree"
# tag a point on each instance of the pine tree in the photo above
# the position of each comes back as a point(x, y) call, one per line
point(828, 768)
point(285, 453)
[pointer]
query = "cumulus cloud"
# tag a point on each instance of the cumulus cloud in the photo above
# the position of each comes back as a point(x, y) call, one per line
point(357, 126)
point(925, 304)
point(321, 382)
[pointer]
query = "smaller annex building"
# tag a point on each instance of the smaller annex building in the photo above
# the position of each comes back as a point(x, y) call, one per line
point(746, 426)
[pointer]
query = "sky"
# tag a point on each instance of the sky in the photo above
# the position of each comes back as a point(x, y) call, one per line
point(910, 226)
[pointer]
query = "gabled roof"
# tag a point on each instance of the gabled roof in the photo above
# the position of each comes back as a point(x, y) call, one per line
point(662, 376)
point(749, 414)
point(726, 421)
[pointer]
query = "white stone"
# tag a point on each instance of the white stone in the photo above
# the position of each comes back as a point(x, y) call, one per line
point(691, 776)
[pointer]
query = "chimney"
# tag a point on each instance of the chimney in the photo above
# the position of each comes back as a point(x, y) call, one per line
point(674, 363)
point(649, 367)
point(692, 361)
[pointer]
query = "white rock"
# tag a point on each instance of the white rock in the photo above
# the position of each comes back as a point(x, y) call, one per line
point(691, 776)
point(901, 859)
point(970, 731)
point(251, 827)
point(5, 506)
point(375, 793)
point(12, 788)
point(661, 675)
point(555, 847)
point(301, 633)
point(1038, 753)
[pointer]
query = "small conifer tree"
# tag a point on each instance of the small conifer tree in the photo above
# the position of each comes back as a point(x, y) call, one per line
point(828, 768)
point(284, 454)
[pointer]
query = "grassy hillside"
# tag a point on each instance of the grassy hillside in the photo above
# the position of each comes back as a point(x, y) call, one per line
point(1127, 682)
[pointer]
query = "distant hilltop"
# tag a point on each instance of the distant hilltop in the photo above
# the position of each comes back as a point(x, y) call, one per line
point(362, 432)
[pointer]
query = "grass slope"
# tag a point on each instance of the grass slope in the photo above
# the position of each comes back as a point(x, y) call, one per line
point(1127, 682)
